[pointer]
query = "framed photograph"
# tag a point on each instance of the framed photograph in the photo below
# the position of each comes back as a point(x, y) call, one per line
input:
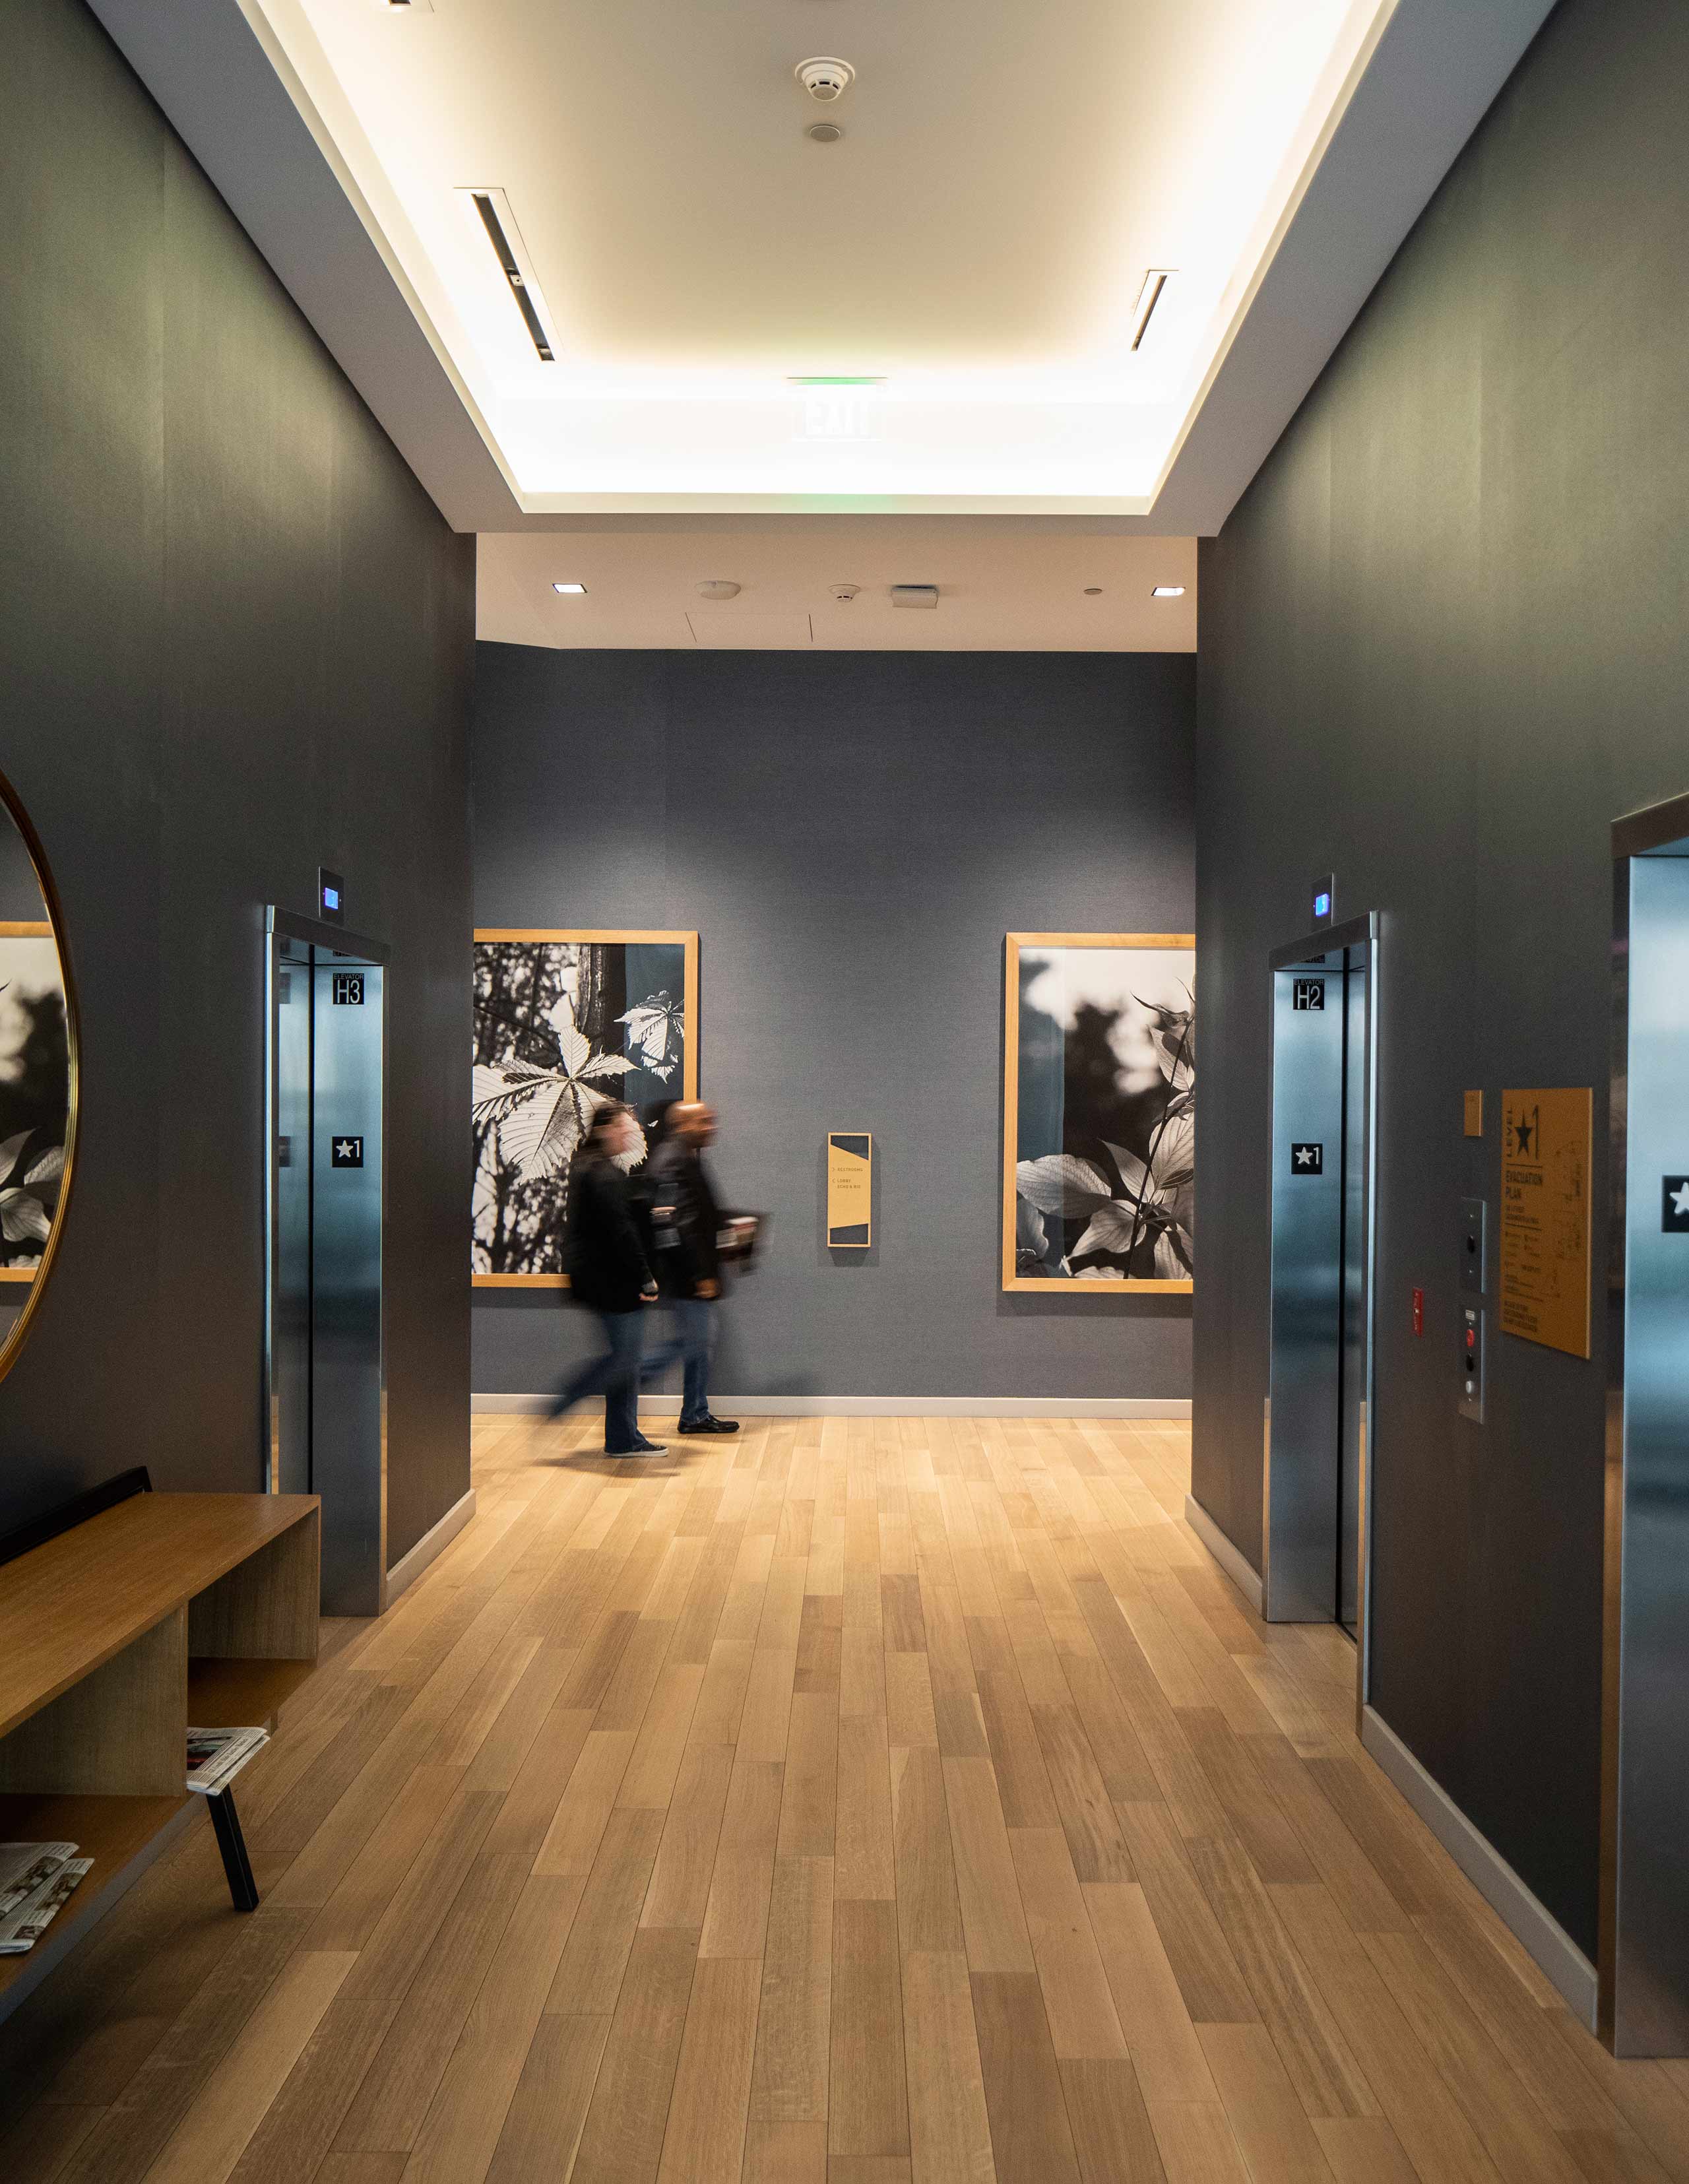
point(35, 1093)
point(563, 1022)
point(1099, 1110)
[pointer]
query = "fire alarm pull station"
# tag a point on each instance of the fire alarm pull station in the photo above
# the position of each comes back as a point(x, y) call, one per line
point(1471, 1405)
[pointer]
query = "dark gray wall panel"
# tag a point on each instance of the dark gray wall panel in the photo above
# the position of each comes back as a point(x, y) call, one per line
point(851, 834)
point(1444, 641)
point(235, 641)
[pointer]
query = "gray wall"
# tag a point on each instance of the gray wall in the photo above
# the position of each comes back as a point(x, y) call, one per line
point(1444, 640)
point(851, 834)
point(235, 641)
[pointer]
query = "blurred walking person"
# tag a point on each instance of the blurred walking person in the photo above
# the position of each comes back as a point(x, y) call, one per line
point(686, 1224)
point(604, 1257)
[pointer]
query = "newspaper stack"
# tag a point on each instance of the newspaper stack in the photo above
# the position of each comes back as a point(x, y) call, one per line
point(36, 1880)
point(216, 1755)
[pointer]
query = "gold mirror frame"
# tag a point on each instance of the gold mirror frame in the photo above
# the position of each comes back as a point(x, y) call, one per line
point(14, 1341)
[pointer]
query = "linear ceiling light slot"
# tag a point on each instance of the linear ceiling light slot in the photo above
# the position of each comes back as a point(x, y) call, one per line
point(493, 208)
point(1148, 297)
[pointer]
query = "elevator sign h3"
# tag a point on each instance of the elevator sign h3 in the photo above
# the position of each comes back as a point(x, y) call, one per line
point(346, 1152)
point(1308, 1160)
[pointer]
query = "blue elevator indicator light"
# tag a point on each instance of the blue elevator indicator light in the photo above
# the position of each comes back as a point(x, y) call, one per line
point(1322, 904)
point(331, 898)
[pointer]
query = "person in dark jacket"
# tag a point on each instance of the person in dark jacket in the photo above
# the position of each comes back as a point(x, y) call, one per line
point(686, 1230)
point(604, 1258)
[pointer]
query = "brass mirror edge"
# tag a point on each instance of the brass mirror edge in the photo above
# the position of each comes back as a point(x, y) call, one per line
point(73, 1040)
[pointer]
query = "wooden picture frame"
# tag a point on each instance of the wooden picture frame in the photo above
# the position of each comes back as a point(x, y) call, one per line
point(1180, 1096)
point(602, 937)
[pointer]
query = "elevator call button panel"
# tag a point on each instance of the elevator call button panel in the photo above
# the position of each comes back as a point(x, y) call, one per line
point(1471, 1404)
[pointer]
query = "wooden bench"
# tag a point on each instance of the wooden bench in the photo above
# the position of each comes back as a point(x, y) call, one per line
point(167, 1609)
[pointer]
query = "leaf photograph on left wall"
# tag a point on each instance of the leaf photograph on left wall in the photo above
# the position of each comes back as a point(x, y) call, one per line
point(565, 1021)
point(34, 1095)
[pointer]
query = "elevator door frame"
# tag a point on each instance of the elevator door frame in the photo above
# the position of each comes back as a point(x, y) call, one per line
point(346, 951)
point(1643, 1992)
point(1361, 933)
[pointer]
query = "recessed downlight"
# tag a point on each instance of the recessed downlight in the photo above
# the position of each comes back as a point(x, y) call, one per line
point(1168, 592)
point(571, 590)
point(1093, 591)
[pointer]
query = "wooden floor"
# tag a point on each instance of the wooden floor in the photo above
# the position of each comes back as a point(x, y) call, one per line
point(876, 1801)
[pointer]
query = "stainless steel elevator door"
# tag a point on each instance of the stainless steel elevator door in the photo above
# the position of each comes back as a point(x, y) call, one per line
point(290, 1315)
point(1317, 1411)
point(1308, 1017)
point(1352, 1379)
point(1651, 1960)
point(324, 1374)
point(349, 1437)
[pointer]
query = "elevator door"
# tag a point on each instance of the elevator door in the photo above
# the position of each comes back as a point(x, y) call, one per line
point(325, 1391)
point(1318, 1405)
point(1645, 1923)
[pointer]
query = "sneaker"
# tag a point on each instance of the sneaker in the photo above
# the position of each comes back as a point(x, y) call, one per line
point(640, 1447)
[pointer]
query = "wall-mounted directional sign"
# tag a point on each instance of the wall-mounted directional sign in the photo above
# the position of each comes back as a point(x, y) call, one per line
point(849, 1189)
point(346, 1152)
point(1545, 1261)
point(1308, 993)
point(1674, 1215)
point(1308, 1160)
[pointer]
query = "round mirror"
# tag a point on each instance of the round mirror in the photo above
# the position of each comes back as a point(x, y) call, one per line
point(37, 1074)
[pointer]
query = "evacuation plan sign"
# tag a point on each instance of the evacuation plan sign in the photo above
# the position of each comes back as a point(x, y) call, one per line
point(1545, 1218)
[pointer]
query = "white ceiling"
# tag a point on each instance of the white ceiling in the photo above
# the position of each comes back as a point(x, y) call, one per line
point(978, 239)
point(998, 591)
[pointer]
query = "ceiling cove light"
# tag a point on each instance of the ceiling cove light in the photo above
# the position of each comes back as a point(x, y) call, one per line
point(1155, 281)
point(1168, 592)
point(493, 208)
point(571, 590)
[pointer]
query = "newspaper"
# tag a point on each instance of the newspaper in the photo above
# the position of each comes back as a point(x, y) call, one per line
point(216, 1755)
point(26, 1867)
point(27, 1923)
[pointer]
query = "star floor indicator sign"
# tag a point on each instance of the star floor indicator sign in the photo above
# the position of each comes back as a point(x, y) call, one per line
point(1308, 1160)
point(1674, 1216)
point(346, 1152)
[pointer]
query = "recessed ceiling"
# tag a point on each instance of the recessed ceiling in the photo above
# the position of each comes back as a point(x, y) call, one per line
point(975, 244)
point(999, 591)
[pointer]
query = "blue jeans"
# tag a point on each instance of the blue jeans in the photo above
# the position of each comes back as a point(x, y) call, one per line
point(695, 1320)
point(614, 1375)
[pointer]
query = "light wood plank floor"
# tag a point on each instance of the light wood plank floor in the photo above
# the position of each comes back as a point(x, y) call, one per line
point(873, 1802)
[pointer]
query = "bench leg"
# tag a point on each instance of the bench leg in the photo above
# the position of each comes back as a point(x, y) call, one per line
point(242, 1888)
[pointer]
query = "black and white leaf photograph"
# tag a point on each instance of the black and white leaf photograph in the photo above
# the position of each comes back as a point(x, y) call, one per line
point(1100, 1112)
point(35, 1095)
point(563, 1023)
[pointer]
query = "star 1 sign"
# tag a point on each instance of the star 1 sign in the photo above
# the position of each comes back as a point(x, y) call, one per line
point(346, 1152)
point(1674, 1215)
point(1308, 1160)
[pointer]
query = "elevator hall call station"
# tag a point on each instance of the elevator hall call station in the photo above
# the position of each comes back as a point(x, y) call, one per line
point(325, 1387)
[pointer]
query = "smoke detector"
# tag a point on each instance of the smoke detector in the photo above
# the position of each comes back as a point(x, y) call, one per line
point(825, 78)
point(717, 587)
point(844, 593)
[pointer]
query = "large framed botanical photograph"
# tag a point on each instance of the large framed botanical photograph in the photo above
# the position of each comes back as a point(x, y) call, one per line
point(1099, 1110)
point(35, 1104)
point(563, 1022)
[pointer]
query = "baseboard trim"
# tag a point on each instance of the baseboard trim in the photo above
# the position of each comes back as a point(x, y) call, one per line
point(438, 1537)
point(1231, 1559)
point(49, 1952)
point(881, 1406)
point(1530, 1923)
